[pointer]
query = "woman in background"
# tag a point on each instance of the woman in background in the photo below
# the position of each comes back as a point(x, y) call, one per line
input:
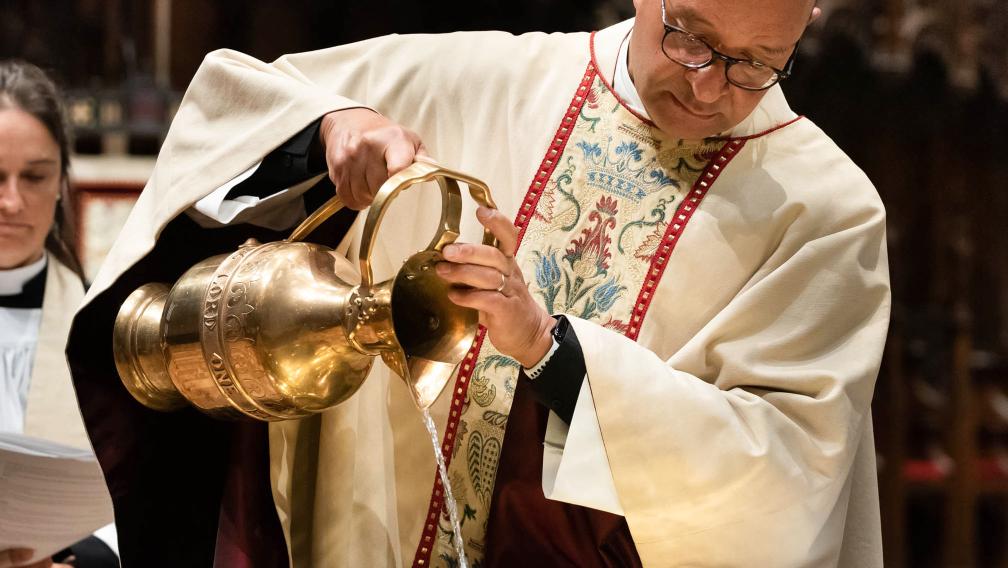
point(40, 284)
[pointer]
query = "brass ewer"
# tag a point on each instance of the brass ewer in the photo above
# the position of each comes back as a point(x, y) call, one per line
point(280, 330)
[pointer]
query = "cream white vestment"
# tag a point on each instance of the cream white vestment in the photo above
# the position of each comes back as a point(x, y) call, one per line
point(734, 308)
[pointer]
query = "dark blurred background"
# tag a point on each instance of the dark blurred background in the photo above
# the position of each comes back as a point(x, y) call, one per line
point(916, 91)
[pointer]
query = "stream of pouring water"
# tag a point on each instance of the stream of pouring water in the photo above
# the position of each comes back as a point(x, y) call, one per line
point(449, 499)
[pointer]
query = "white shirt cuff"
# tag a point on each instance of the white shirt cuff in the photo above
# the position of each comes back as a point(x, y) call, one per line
point(536, 369)
point(213, 205)
point(279, 211)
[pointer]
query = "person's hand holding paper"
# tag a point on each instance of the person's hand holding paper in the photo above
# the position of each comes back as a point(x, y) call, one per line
point(51, 496)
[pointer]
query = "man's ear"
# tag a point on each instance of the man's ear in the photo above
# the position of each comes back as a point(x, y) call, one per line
point(816, 12)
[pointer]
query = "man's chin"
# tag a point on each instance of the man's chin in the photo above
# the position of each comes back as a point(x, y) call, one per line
point(679, 122)
point(688, 128)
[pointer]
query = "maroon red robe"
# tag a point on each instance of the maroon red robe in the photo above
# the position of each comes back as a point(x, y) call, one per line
point(526, 528)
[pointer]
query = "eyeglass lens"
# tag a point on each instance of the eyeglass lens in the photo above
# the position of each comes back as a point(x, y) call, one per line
point(690, 51)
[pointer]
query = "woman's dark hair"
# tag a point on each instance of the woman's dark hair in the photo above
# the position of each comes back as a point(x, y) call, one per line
point(26, 87)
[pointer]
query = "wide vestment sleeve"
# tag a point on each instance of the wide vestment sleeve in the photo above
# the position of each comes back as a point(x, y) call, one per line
point(470, 96)
point(738, 448)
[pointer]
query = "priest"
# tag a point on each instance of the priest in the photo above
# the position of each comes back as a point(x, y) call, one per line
point(683, 322)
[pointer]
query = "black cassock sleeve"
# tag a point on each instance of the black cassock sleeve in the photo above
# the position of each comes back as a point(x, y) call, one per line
point(558, 385)
point(294, 161)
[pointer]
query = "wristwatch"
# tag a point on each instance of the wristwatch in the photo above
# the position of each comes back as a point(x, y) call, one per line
point(559, 332)
point(561, 328)
point(556, 380)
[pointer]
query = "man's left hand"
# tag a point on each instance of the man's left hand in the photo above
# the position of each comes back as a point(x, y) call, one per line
point(489, 280)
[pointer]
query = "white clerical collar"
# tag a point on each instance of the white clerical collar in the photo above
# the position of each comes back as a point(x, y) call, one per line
point(12, 281)
point(623, 83)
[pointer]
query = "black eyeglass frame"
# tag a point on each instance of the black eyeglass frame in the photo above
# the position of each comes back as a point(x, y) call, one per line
point(779, 74)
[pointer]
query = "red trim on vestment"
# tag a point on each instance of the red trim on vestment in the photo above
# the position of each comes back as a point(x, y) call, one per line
point(609, 86)
point(675, 228)
point(767, 131)
point(426, 546)
point(553, 153)
point(461, 387)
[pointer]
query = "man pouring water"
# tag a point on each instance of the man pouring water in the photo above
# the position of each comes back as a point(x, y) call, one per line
point(684, 316)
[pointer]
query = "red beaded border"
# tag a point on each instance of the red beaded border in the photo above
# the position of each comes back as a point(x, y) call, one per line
point(524, 215)
point(682, 216)
point(556, 149)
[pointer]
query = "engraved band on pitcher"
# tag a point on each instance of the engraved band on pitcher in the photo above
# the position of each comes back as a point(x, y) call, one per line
point(238, 339)
point(212, 336)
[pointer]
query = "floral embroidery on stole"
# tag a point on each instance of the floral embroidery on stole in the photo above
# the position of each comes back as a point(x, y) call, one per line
point(597, 226)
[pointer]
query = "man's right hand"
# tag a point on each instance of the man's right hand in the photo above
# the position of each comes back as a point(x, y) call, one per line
point(362, 150)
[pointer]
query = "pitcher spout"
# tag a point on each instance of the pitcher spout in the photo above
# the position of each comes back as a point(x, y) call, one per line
point(426, 379)
point(433, 333)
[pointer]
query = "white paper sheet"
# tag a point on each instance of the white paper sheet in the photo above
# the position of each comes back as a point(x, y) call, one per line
point(51, 495)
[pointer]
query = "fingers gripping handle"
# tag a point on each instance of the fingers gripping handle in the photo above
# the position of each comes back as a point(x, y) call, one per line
point(421, 171)
point(451, 210)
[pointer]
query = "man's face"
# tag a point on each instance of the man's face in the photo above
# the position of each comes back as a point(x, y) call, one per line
point(697, 103)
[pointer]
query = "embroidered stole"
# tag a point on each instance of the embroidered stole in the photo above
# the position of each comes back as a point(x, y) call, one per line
point(597, 226)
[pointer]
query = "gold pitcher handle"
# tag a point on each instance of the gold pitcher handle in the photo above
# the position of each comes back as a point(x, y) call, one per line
point(424, 169)
point(328, 209)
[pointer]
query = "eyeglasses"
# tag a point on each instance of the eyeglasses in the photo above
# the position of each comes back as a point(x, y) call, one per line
point(686, 49)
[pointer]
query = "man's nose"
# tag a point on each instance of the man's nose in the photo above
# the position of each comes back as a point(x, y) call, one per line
point(11, 201)
point(709, 84)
